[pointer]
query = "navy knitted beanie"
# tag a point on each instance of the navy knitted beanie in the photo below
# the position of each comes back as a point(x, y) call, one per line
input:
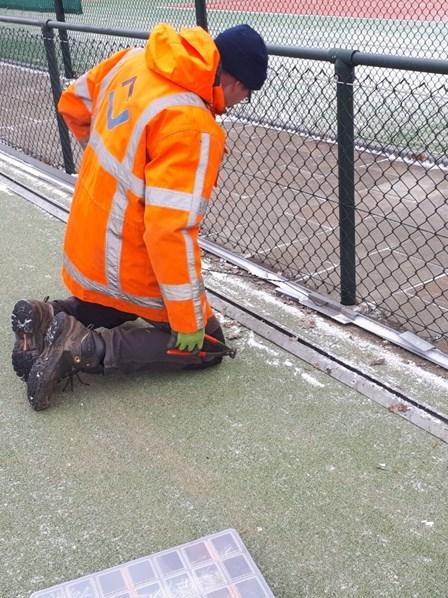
point(243, 55)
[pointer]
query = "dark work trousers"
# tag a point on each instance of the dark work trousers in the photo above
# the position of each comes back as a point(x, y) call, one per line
point(131, 347)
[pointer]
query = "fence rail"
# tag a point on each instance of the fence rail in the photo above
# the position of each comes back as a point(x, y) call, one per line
point(337, 178)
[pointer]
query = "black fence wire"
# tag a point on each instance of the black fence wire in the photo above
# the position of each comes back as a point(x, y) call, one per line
point(337, 175)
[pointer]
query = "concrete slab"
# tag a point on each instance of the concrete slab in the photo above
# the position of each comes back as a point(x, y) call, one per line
point(332, 495)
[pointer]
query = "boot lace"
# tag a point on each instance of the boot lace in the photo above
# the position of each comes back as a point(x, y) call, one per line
point(74, 373)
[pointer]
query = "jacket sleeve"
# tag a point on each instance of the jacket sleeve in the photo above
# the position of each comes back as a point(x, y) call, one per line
point(179, 182)
point(77, 103)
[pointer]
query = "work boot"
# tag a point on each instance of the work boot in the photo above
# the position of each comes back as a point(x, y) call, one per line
point(29, 321)
point(69, 348)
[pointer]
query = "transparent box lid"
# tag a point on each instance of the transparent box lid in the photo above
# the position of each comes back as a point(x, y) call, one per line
point(215, 566)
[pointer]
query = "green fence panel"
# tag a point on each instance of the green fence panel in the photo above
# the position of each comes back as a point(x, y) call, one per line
point(70, 6)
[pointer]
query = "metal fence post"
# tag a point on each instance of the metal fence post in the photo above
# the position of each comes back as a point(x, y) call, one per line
point(63, 38)
point(345, 73)
point(201, 13)
point(56, 88)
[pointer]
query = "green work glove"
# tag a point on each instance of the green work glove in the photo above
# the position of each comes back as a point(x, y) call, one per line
point(190, 342)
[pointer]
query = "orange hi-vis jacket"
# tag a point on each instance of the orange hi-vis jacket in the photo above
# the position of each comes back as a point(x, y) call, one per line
point(149, 168)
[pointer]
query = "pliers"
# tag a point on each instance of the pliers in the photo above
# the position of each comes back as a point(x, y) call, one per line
point(224, 350)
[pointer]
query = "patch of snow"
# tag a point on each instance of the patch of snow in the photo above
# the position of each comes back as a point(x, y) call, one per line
point(312, 380)
point(6, 189)
point(237, 281)
point(253, 342)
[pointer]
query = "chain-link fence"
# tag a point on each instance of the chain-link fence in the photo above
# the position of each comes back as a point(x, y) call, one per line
point(403, 27)
point(337, 176)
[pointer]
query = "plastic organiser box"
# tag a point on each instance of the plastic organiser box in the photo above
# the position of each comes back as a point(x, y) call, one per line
point(216, 566)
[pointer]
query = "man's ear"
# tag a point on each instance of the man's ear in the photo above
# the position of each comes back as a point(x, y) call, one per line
point(219, 103)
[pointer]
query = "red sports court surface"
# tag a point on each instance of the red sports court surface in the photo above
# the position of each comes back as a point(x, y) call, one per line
point(429, 10)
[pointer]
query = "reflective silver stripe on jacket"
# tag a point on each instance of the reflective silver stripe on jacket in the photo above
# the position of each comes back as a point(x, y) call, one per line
point(119, 201)
point(86, 283)
point(82, 92)
point(108, 161)
point(181, 292)
point(198, 190)
point(177, 200)
point(114, 167)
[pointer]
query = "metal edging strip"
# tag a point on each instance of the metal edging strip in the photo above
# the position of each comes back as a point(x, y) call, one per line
point(416, 412)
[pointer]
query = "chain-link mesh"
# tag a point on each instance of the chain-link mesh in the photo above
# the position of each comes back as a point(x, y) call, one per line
point(27, 120)
point(26, 105)
point(401, 192)
point(405, 27)
point(268, 206)
point(278, 201)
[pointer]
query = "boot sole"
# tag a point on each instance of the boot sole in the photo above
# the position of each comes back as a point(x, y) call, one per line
point(22, 322)
point(42, 377)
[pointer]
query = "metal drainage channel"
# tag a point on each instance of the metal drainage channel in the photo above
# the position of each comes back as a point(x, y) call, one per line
point(420, 414)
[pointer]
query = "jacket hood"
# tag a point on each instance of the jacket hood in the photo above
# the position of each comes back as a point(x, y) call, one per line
point(188, 58)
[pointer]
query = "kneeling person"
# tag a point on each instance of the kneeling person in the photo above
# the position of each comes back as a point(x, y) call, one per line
point(146, 118)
